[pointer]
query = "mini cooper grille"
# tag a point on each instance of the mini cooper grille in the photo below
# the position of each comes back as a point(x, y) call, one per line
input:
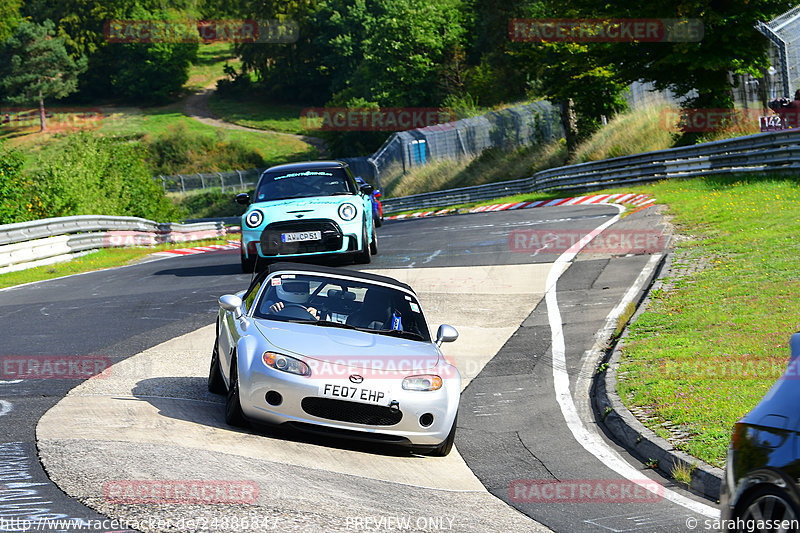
point(271, 243)
point(354, 412)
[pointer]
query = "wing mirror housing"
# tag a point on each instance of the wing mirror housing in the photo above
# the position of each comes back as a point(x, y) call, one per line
point(366, 189)
point(232, 303)
point(446, 333)
point(243, 198)
point(795, 346)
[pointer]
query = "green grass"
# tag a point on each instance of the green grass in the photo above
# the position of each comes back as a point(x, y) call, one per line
point(283, 118)
point(104, 258)
point(493, 165)
point(211, 59)
point(693, 357)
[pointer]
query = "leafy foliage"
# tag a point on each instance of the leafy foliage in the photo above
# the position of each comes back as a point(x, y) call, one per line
point(94, 175)
point(12, 184)
point(178, 149)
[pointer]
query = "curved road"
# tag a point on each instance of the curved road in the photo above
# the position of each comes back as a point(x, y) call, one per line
point(524, 423)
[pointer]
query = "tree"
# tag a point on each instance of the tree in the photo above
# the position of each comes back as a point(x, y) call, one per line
point(34, 65)
point(9, 18)
point(729, 43)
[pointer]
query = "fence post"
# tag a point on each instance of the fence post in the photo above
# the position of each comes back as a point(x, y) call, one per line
point(241, 181)
point(202, 181)
point(221, 181)
point(163, 183)
point(183, 185)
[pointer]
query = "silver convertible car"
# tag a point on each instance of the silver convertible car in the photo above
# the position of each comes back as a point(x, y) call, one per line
point(335, 351)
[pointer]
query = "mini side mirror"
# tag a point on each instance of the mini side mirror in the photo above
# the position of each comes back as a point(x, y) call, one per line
point(243, 198)
point(446, 333)
point(367, 188)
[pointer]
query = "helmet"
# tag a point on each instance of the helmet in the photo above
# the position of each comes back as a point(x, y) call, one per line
point(292, 291)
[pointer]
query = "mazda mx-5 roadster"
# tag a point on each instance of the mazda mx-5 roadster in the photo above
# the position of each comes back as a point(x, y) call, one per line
point(335, 351)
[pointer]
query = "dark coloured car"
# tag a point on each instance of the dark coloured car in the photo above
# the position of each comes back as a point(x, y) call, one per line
point(761, 488)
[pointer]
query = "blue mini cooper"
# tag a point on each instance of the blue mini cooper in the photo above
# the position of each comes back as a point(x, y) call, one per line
point(307, 209)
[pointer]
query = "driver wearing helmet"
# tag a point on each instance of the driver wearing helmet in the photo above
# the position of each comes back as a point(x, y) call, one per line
point(293, 292)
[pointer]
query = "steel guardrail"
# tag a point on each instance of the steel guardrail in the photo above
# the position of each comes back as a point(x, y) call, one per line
point(771, 152)
point(30, 243)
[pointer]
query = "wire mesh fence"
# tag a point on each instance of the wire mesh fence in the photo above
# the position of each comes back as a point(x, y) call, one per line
point(235, 180)
point(521, 125)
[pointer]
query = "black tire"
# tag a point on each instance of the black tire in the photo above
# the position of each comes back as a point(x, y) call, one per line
point(373, 245)
point(767, 504)
point(444, 448)
point(233, 406)
point(216, 384)
point(365, 255)
point(248, 264)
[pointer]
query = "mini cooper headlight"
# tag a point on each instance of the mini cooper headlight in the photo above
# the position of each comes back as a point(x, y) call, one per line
point(254, 218)
point(347, 211)
point(424, 382)
point(286, 364)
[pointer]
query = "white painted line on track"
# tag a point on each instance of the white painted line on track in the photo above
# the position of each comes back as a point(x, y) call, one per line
point(5, 407)
point(591, 441)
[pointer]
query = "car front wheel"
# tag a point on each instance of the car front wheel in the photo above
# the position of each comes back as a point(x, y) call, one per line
point(233, 407)
point(444, 448)
point(766, 505)
point(215, 383)
point(365, 255)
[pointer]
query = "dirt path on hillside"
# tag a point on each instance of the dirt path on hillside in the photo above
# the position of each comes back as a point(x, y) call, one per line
point(196, 106)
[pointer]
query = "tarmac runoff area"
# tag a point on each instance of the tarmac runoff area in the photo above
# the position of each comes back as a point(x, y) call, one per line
point(152, 419)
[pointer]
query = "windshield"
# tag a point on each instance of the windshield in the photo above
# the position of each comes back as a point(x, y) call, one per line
point(304, 184)
point(331, 302)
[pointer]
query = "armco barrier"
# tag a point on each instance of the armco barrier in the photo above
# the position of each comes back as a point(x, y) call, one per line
point(29, 244)
point(772, 152)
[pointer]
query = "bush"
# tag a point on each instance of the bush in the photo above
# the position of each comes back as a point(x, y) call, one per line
point(210, 204)
point(179, 150)
point(14, 207)
point(95, 175)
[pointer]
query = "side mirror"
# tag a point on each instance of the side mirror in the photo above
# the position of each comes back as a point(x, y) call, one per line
point(232, 303)
point(243, 198)
point(446, 333)
point(367, 188)
point(795, 345)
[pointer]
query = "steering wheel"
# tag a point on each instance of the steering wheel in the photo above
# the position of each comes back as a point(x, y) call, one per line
point(295, 311)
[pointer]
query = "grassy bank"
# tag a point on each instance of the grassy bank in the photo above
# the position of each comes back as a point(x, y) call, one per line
point(283, 118)
point(708, 349)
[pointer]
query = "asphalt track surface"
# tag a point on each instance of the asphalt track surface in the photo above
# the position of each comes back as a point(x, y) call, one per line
point(511, 427)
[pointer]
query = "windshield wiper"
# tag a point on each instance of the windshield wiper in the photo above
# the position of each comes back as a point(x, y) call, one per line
point(400, 333)
point(332, 324)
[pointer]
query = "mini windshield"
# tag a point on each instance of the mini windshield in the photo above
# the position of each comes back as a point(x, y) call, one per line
point(332, 302)
point(304, 184)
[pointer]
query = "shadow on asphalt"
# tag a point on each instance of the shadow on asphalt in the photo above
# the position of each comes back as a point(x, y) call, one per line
point(163, 393)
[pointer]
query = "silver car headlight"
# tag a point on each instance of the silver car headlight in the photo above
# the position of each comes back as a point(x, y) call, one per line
point(347, 211)
point(254, 218)
point(285, 363)
point(423, 382)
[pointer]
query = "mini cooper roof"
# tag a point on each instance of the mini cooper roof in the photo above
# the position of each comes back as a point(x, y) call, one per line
point(312, 269)
point(306, 165)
